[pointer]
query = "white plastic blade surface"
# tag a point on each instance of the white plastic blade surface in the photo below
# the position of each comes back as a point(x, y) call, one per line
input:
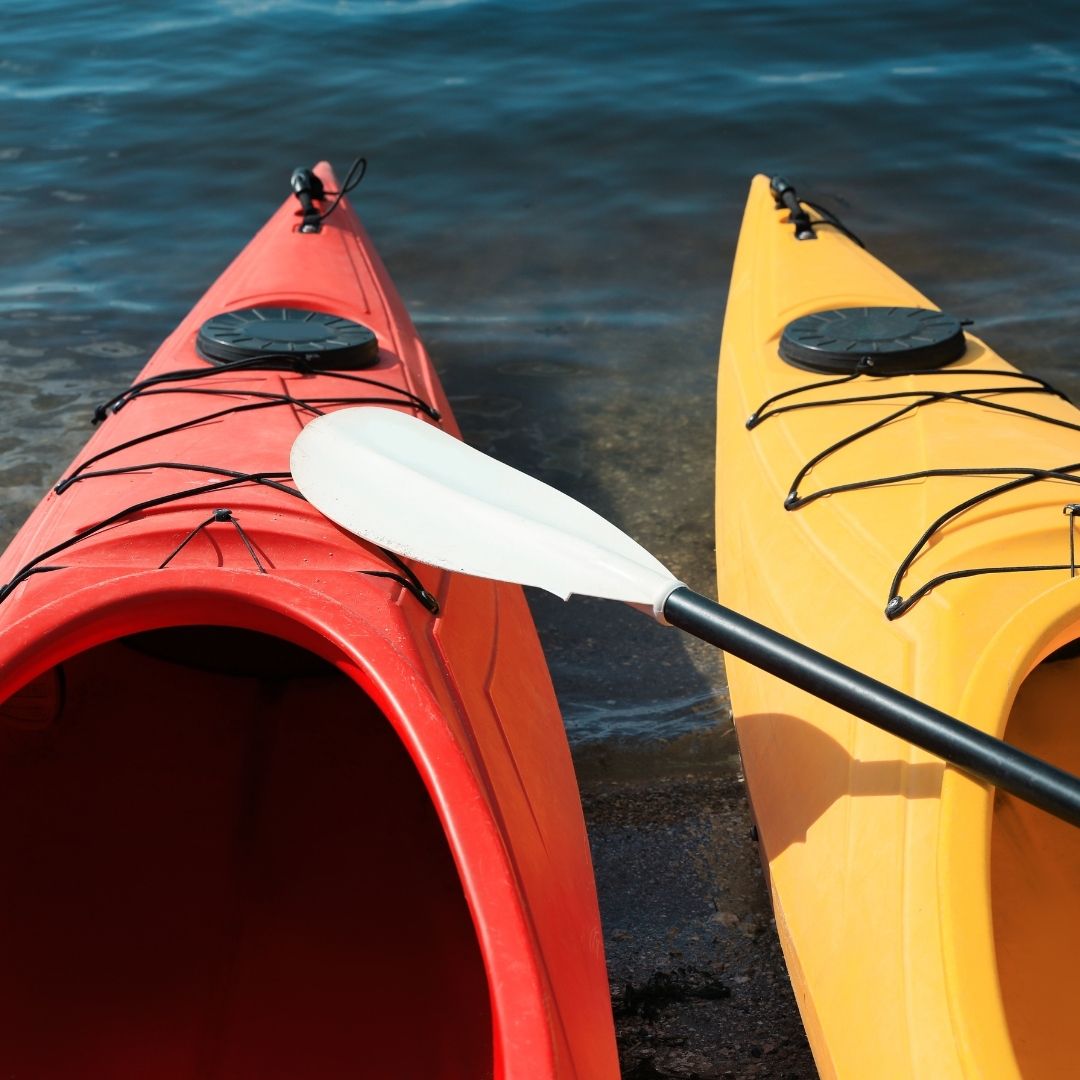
point(408, 486)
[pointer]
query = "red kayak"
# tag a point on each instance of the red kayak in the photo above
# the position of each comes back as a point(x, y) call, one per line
point(274, 803)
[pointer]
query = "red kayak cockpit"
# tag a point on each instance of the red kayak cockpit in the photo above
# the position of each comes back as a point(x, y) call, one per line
point(219, 860)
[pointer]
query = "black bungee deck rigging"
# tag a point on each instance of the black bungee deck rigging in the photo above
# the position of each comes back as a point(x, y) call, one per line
point(165, 384)
point(860, 368)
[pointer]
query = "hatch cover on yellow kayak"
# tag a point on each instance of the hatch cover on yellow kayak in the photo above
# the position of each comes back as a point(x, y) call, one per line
point(877, 340)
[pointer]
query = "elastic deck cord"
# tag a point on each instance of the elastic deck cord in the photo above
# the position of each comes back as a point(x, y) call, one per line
point(1020, 476)
point(152, 386)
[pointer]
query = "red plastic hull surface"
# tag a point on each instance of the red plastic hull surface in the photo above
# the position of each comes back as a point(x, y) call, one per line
point(261, 813)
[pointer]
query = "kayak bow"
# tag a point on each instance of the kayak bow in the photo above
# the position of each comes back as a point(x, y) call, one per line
point(274, 803)
point(891, 492)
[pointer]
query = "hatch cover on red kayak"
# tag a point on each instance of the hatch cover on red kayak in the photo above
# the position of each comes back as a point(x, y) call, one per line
point(877, 340)
point(327, 341)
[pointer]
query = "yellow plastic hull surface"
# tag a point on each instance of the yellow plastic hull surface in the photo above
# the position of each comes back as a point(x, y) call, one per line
point(930, 928)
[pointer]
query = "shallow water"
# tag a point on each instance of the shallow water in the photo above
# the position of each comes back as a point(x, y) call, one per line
point(556, 189)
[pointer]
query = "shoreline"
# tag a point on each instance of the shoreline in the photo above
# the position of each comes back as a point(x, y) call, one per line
point(699, 987)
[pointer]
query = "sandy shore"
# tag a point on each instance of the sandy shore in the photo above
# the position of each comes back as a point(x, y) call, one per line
point(698, 982)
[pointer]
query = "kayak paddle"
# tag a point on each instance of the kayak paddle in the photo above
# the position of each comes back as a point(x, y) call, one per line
point(406, 485)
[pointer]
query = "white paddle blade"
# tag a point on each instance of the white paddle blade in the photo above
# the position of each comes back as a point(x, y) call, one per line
point(408, 486)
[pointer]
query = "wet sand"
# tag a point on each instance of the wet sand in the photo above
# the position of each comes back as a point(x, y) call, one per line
point(699, 987)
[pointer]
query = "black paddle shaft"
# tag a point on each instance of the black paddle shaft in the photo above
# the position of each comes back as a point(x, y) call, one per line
point(1029, 778)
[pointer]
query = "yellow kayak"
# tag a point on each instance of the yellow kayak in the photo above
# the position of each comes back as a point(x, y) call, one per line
point(894, 494)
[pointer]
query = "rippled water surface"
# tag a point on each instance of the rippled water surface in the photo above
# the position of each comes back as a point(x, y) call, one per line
point(556, 188)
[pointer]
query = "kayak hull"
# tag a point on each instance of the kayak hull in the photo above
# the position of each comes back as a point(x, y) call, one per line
point(897, 881)
point(312, 827)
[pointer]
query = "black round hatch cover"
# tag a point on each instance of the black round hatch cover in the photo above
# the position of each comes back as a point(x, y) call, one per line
point(325, 340)
point(875, 339)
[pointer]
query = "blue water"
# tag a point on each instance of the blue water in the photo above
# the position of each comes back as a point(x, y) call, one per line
point(556, 188)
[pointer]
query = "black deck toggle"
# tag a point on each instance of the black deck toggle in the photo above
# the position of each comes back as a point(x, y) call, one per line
point(308, 189)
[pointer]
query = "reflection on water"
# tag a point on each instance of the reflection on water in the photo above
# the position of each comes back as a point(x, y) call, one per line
point(556, 188)
point(590, 720)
